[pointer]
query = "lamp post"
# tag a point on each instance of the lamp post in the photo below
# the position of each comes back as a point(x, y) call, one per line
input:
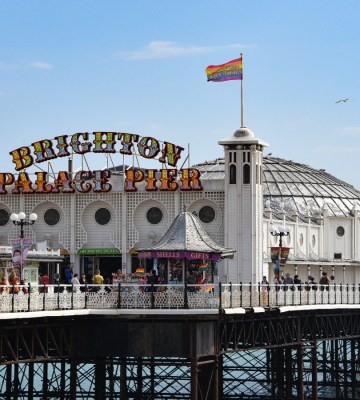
point(279, 232)
point(19, 220)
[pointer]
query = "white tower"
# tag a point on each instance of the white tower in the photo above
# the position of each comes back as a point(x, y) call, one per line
point(244, 205)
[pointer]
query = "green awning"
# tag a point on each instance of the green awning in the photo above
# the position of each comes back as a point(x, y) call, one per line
point(98, 251)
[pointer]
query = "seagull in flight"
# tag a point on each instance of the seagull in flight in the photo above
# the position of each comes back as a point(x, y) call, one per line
point(342, 101)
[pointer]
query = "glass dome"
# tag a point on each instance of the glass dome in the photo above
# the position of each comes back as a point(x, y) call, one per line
point(303, 190)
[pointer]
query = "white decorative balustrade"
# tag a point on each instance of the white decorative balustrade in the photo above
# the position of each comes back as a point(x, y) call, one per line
point(207, 296)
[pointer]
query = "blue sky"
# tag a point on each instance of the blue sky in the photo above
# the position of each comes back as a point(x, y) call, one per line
point(139, 67)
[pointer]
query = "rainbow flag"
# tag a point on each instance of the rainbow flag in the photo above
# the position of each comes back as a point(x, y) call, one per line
point(139, 270)
point(203, 267)
point(208, 289)
point(232, 70)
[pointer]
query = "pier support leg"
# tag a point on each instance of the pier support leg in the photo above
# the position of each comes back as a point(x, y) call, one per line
point(100, 381)
point(45, 381)
point(8, 382)
point(16, 382)
point(123, 390)
point(73, 374)
point(336, 370)
point(345, 369)
point(152, 377)
point(208, 378)
point(300, 373)
point(139, 378)
point(31, 381)
point(194, 379)
point(324, 361)
point(220, 375)
point(314, 371)
point(277, 364)
point(353, 369)
point(288, 372)
point(62, 378)
point(110, 372)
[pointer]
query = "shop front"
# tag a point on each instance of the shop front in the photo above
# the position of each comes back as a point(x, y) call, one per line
point(175, 267)
point(107, 260)
point(37, 263)
point(185, 251)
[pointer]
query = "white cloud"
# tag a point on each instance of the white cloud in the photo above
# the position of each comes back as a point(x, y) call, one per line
point(25, 64)
point(41, 65)
point(167, 49)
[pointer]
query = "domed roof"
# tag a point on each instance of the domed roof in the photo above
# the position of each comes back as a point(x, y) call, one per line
point(242, 135)
point(187, 234)
point(307, 191)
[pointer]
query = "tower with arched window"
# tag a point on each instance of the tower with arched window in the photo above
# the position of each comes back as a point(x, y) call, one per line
point(244, 205)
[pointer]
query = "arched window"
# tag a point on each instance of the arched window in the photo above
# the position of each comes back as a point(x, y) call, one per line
point(233, 174)
point(246, 173)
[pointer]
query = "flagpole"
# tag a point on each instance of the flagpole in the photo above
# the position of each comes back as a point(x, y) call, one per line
point(242, 95)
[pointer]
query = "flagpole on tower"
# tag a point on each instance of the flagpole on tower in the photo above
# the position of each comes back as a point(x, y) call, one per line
point(242, 93)
point(232, 70)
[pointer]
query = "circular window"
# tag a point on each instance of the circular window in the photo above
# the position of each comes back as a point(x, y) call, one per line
point(102, 216)
point(207, 214)
point(52, 216)
point(4, 217)
point(340, 231)
point(154, 215)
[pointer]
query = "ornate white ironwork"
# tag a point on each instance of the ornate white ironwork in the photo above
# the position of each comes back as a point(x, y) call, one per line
point(133, 296)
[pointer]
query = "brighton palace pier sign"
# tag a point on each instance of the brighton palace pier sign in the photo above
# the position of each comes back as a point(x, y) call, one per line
point(187, 179)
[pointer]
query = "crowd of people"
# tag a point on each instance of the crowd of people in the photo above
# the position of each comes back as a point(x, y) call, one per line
point(12, 283)
point(80, 283)
point(287, 281)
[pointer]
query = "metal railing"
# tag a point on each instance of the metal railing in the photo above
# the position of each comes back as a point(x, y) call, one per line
point(172, 296)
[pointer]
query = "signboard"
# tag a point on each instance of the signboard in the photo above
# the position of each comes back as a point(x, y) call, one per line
point(103, 142)
point(98, 251)
point(279, 253)
point(20, 249)
point(98, 181)
point(279, 256)
point(190, 255)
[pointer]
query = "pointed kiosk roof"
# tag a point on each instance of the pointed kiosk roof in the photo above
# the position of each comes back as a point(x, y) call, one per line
point(186, 238)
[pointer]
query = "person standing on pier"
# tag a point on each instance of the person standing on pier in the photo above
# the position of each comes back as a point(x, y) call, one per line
point(297, 281)
point(97, 280)
point(14, 282)
point(324, 280)
point(288, 280)
point(191, 280)
point(69, 273)
point(153, 279)
point(264, 289)
point(4, 282)
point(44, 280)
point(83, 281)
point(75, 282)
